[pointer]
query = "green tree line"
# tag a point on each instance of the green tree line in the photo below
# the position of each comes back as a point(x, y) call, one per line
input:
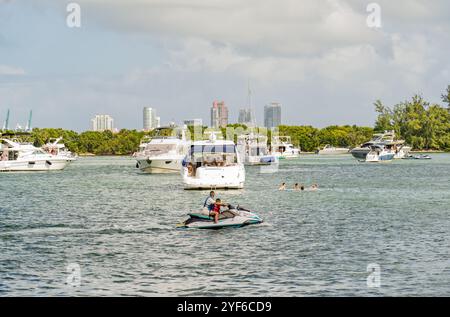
point(422, 125)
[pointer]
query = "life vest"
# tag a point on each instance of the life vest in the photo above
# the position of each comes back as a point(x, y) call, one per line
point(210, 207)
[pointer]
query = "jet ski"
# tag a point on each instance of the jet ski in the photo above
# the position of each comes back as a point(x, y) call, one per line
point(233, 217)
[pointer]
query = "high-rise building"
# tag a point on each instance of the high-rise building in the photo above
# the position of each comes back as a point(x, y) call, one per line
point(272, 115)
point(219, 114)
point(246, 117)
point(193, 122)
point(102, 122)
point(151, 121)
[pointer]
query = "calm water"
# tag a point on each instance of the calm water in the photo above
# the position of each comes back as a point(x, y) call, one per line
point(119, 226)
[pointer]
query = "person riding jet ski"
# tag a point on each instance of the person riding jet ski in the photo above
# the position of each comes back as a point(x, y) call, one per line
point(231, 217)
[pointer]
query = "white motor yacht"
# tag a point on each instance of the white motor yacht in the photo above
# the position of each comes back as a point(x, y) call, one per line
point(20, 157)
point(213, 164)
point(388, 139)
point(162, 154)
point(253, 150)
point(283, 148)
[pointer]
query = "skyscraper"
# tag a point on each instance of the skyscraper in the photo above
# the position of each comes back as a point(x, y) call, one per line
point(102, 122)
point(245, 117)
point(151, 121)
point(272, 115)
point(219, 115)
point(157, 122)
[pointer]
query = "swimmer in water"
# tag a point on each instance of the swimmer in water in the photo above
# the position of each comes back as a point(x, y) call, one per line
point(282, 186)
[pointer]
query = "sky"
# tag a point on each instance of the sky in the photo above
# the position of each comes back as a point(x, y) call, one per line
point(320, 59)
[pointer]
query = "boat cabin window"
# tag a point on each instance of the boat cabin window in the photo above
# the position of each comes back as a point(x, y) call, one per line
point(213, 155)
point(223, 148)
point(6, 155)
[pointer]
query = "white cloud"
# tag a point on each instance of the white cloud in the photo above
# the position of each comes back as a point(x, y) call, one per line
point(264, 27)
point(11, 70)
point(318, 58)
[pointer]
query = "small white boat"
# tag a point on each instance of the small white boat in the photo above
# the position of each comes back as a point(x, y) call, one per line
point(162, 154)
point(379, 153)
point(283, 148)
point(417, 157)
point(24, 157)
point(233, 217)
point(331, 150)
point(213, 164)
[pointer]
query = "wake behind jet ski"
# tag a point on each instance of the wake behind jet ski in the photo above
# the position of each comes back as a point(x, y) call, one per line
point(232, 217)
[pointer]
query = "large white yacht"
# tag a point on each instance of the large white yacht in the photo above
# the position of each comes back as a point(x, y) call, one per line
point(19, 157)
point(386, 140)
point(283, 148)
point(162, 154)
point(253, 150)
point(213, 164)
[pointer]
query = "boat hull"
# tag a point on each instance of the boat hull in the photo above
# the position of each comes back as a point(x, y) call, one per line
point(33, 166)
point(199, 221)
point(159, 165)
point(214, 178)
point(380, 158)
point(360, 153)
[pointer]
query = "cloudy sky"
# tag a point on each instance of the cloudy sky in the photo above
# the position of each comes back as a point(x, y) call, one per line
point(318, 58)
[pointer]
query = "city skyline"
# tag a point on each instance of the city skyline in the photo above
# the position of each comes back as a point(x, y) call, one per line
point(321, 60)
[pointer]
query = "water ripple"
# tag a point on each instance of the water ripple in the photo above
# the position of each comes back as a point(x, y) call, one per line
point(119, 226)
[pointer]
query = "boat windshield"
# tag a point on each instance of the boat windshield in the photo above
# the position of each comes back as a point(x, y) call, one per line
point(158, 149)
point(223, 148)
point(214, 155)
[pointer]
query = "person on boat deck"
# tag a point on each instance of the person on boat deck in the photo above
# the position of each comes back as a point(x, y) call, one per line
point(209, 202)
point(5, 154)
point(282, 187)
point(216, 210)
